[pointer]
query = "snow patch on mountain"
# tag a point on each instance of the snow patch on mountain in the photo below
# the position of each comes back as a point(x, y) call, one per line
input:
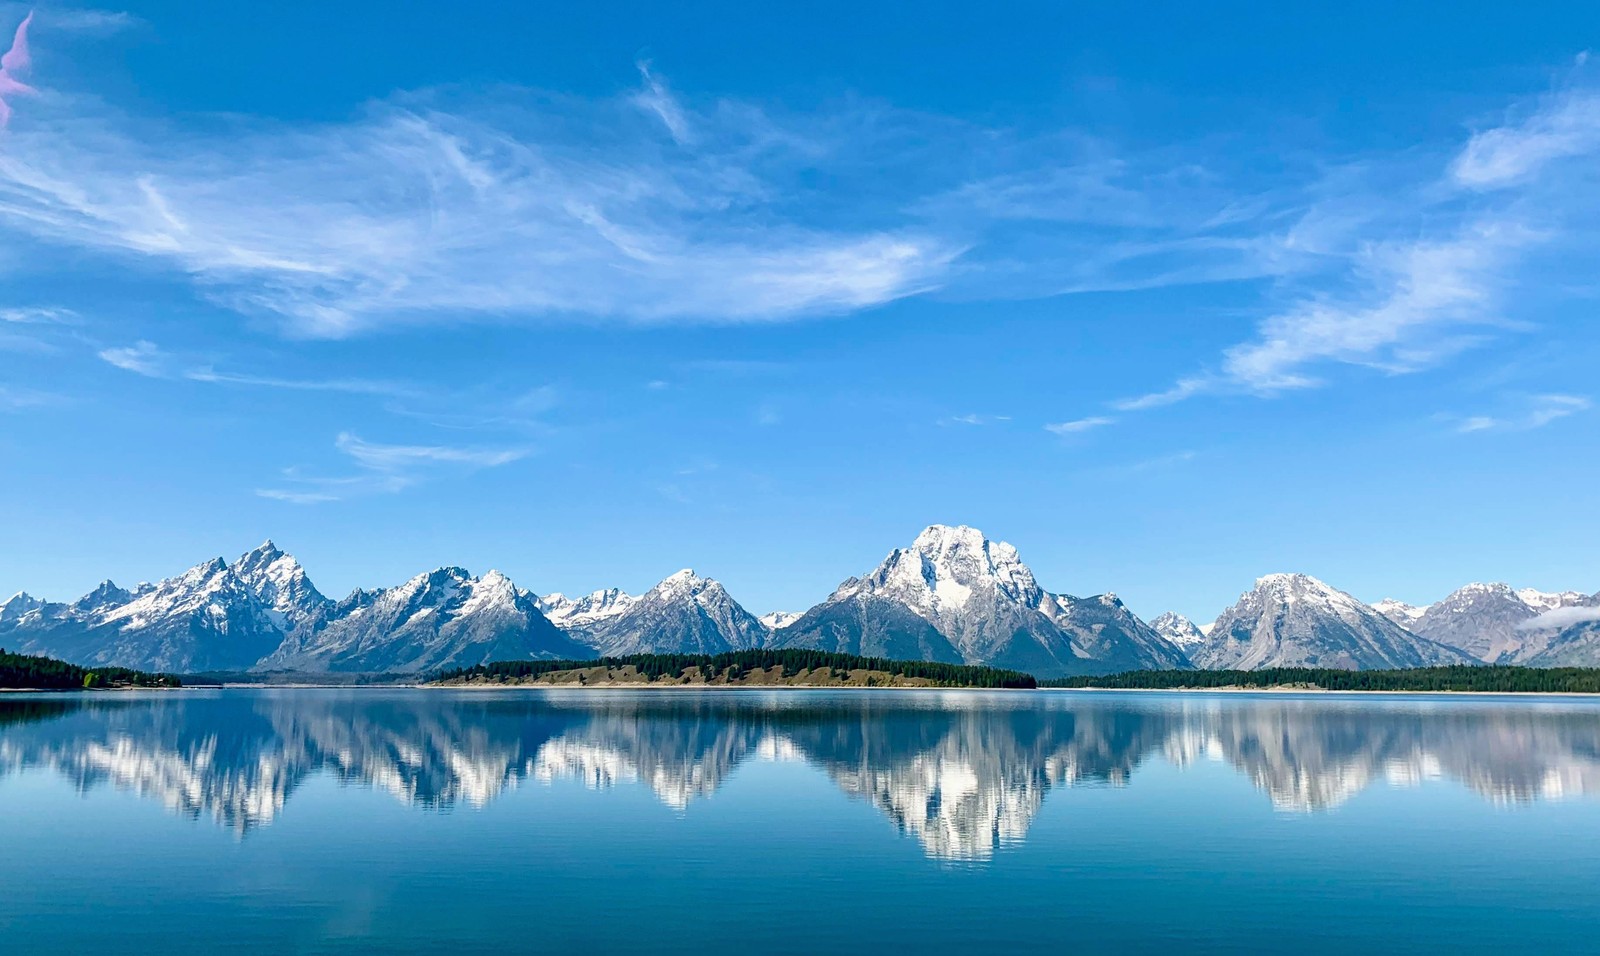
point(1399, 612)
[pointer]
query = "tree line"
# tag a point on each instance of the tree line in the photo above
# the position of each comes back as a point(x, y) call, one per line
point(734, 665)
point(20, 671)
point(1464, 677)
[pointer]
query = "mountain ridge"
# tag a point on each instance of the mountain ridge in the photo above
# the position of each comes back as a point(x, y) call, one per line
point(952, 596)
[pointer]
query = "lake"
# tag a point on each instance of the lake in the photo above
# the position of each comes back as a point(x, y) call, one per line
point(400, 821)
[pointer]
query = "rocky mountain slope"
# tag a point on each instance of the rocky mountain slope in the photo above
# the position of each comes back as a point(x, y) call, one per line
point(684, 614)
point(444, 618)
point(1491, 622)
point(1294, 620)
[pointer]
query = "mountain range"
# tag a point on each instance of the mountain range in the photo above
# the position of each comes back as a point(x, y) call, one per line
point(954, 595)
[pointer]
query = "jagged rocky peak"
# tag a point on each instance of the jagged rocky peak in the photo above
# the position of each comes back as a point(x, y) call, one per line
point(106, 594)
point(278, 581)
point(17, 605)
point(1178, 629)
point(594, 606)
point(686, 585)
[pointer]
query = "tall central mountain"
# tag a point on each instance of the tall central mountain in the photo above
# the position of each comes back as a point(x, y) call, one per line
point(1294, 620)
point(685, 614)
point(955, 596)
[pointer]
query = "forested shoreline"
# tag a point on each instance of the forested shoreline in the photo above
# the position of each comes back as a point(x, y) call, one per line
point(25, 672)
point(1484, 679)
point(739, 667)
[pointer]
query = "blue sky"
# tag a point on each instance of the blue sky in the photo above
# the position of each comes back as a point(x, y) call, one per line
point(1169, 298)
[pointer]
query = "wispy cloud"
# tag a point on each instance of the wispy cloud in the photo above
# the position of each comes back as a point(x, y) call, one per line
point(1184, 388)
point(87, 22)
point(396, 458)
point(1564, 125)
point(37, 316)
point(296, 497)
point(973, 420)
point(1079, 425)
point(1541, 411)
point(148, 359)
point(1421, 296)
point(384, 469)
point(352, 386)
point(15, 64)
point(658, 100)
point(15, 399)
point(1411, 277)
point(428, 209)
point(142, 358)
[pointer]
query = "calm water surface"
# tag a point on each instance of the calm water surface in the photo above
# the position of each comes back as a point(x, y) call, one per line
point(284, 821)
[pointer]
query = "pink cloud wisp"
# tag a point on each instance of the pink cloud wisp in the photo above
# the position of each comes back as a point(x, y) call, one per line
point(14, 64)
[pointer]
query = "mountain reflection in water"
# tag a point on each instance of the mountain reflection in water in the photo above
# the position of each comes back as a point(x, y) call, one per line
point(964, 773)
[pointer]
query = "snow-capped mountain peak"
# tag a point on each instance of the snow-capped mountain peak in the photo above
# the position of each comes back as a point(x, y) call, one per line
point(577, 612)
point(956, 595)
point(683, 613)
point(1178, 629)
point(684, 583)
point(1295, 620)
point(278, 581)
point(107, 594)
point(17, 605)
point(945, 569)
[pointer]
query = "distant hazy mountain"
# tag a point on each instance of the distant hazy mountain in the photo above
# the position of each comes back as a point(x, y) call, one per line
point(1179, 630)
point(776, 619)
point(1564, 635)
point(1294, 620)
point(958, 597)
point(1481, 619)
point(1491, 622)
point(1400, 612)
point(685, 614)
